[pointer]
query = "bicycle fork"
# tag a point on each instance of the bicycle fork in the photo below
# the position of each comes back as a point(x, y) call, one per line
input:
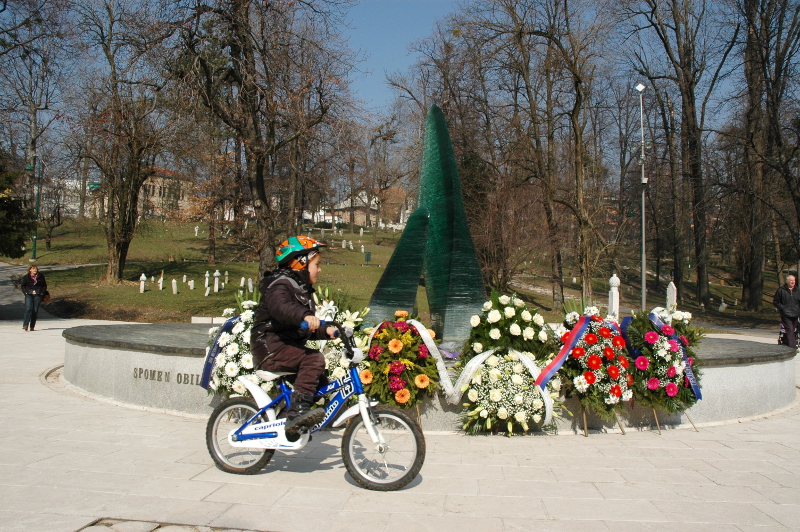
point(374, 432)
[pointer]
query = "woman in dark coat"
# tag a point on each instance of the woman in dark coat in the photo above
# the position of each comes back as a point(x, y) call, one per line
point(34, 287)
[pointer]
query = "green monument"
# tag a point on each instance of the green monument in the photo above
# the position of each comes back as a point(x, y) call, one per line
point(436, 242)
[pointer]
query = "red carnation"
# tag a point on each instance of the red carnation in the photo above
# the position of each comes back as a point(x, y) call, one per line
point(629, 377)
point(605, 332)
point(684, 340)
point(623, 361)
point(594, 362)
point(597, 319)
point(609, 353)
point(590, 339)
point(618, 342)
point(564, 338)
point(590, 377)
point(578, 352)
point(616, 390)
point(613, 372)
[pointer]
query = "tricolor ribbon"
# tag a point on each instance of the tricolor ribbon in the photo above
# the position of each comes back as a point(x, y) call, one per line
point(688, 369)
point(213, 352)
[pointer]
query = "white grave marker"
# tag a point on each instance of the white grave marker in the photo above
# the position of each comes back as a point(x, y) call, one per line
point(613, 296)
point(672, 297)
point(174, 286)
point(216, 281)
point(208, 289)
point(207, 276)
point(191, 284)
point(160, 283)
point(250, 284)
point(142, 281)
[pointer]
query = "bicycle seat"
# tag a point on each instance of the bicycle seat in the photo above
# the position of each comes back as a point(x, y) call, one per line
point(270, 376)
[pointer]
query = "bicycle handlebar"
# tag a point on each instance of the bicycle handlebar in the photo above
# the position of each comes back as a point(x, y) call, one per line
point(345, 334)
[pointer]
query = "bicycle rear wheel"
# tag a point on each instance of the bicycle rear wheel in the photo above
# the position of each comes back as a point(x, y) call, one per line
point(389, 467)
point(227, 416)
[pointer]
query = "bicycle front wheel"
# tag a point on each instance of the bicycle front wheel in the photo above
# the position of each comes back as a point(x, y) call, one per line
point(384, 467)
point(227, 416)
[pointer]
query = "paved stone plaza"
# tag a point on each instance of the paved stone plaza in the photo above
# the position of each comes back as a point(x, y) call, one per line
point(67, 461)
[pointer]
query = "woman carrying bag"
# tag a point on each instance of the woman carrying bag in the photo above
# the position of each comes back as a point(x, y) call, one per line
point(34, 287)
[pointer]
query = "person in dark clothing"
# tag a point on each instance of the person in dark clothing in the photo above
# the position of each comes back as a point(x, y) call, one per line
point(787, 301)
point(34, 287)
point(277, 341)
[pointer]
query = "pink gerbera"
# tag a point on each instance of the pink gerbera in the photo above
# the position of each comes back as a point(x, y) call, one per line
point(673, 345)
point(653, 384)
point(672, 389)
point(642, 363)
point(668, 330)
point(684, 340)
point(651, 337)
point(671, 371)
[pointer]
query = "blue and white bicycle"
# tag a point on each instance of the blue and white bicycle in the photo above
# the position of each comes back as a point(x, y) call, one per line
point(383, 448)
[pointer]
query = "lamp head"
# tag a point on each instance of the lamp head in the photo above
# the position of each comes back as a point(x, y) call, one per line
point(640, 87)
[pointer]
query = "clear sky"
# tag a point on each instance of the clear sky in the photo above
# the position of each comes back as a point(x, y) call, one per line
point(383, 30)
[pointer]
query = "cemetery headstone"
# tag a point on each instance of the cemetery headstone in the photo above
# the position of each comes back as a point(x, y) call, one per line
point(208, 289)
point(241, 283)
point(361, 232)
point(250, 284)
point(184, 278)
point(362, 248)
point(351, 245)
point(207, 276)
point(226, 276)
point(174, 286)
point(613, 296)
point(196, 229)
point(672, 296)
point(160, 283)
point(344, 244)
point(142, 281)
point(191, 284)
point(216, 281)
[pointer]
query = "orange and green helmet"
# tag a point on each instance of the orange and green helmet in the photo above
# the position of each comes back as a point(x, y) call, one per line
point(297, 251)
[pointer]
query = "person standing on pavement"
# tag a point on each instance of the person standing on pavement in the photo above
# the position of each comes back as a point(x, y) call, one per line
point(787, 301)
point(34, 287)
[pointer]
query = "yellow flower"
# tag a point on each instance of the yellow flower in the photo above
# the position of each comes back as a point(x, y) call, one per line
point(422, 381)
point(402, 396)
point(400, 314)
point(366, 376)
point(395, 345)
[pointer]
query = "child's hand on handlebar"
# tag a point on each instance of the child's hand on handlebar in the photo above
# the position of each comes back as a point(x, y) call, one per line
point(332, 332)
point(313, 323)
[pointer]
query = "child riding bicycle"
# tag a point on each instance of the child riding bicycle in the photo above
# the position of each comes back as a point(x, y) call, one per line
point(277, 340)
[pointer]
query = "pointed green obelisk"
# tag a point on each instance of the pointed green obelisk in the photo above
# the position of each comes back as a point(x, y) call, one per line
point(452, 275)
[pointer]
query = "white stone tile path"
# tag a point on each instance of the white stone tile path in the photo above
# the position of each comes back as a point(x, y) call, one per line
point(67, 461)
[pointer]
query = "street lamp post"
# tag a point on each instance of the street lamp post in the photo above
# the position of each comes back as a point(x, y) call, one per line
point(640, 87)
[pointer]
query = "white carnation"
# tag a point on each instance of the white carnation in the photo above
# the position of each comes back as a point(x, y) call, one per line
point(247, 305)
point(591, 311)
point(487, 306)
point(213, 331)
point(504, 300)
point(526, 315)
point(494, 316)
point(493, 361)
point(580, 383)
point(247, 316)
point(612, 399)
point(228, 312)
point(502, 413)
point(543, 335)
point(475, 320)
point(494, 334)
point(677, 315)
point(239, 388)
point(238, 328)
point(509, 312)
point(496, 395)
point(231, 369)
point(517, 379)
point(627, 394)
point(538, 320)
point(267, 386)
point(477, 347)
point(687, 317)
point(472, 394)
point(528, 333)
point(246, 337)
point(514, 329)
point(247, 361)
point(572, 318)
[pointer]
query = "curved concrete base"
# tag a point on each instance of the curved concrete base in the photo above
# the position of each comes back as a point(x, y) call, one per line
point(159, 366)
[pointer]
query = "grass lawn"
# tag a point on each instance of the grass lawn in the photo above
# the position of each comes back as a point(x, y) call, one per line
point(79, 292)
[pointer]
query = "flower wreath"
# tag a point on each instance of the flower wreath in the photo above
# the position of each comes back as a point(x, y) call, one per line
point(399, 369)
point(512, 344)
point(596, 362)
point(662, 350)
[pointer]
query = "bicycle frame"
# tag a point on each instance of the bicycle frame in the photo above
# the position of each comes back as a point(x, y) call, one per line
point(271, 433)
